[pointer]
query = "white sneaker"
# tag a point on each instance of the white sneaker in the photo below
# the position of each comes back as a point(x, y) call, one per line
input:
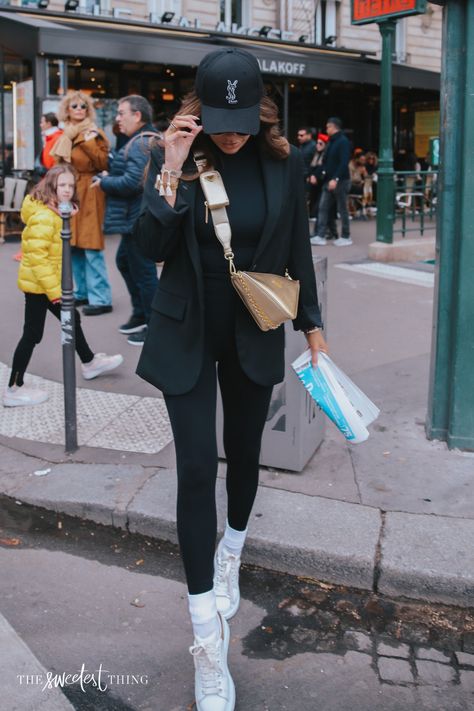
point(101, 363)
point(19, 396)
point(214, 687)
point(342, 242)
point(226, 581)
point(320, 241)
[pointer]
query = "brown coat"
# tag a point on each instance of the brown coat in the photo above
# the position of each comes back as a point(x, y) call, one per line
point(89, 158)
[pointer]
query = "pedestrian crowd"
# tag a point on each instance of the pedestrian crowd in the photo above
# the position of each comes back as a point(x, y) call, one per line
point(338, 183)
point(104, 186)
point(108, 192)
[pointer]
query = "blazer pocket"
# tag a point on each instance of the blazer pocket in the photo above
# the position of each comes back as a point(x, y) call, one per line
point(170, 305)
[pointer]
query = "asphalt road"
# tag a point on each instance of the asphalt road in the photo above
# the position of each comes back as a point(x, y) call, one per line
point(82, 594)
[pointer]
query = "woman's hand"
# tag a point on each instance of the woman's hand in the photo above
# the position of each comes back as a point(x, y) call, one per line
point(316, 343)
point(178, 140)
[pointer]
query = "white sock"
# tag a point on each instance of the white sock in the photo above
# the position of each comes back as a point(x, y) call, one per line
point(203, 611)
point(234, 540)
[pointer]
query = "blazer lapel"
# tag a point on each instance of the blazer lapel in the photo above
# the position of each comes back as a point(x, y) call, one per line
point(273, 172)
point(188, 194)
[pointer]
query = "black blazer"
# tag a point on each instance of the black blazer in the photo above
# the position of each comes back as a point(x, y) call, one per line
point(171, 358)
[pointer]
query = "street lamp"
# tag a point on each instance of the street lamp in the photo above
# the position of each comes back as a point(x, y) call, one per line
point(265, 30)
point(167, 17)
point(43, 4)
point(71, 5)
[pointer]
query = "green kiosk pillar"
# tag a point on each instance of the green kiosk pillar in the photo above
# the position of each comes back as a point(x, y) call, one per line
point(385, 186)
point(451, 398)
point(386, 15)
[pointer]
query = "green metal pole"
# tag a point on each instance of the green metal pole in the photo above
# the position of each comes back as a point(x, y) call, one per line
point(385, 188)
point(450, 407)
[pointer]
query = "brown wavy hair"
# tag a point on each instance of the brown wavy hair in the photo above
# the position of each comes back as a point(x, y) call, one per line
point(269, 136)
point(46, 190)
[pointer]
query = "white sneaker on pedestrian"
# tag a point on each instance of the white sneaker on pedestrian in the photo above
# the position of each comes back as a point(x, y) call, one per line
point(18, 396)
point(101, 363)
point(320, 241)
point(226, 581)
point(213, 685)
point(342, 242)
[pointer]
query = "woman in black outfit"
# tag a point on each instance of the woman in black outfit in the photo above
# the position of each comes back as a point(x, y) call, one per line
point(198, 321)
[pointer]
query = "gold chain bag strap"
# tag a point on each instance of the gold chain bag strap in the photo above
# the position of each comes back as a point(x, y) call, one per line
point(270, 298)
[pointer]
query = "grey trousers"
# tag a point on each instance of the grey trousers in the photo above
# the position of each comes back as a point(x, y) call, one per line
point(340, 195)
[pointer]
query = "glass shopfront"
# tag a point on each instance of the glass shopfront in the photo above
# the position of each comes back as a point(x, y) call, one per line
point(309, 88)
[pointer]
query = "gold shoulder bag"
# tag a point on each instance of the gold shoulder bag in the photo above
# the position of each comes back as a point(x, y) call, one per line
point(270, 298)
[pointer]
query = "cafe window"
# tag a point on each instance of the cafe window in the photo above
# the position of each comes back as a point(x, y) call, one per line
point(326, 22)
point(401, 41)
point(234, 12)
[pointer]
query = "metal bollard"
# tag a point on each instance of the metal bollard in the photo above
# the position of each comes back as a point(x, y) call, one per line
point(68, 337)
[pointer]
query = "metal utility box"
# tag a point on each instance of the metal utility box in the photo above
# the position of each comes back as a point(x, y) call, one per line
point(295, 425)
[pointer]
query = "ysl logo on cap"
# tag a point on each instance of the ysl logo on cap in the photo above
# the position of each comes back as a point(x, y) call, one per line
point(231, 87)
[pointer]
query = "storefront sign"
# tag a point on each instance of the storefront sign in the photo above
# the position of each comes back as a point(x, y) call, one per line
point(23, 129)
point(274, 66)
point(365, 11)
point(234, 29)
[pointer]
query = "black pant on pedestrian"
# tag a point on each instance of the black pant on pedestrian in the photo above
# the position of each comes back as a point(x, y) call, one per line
point(139, 274)
point(340, 195)
point(193, 420)
point(36, 308)
point(314, 198)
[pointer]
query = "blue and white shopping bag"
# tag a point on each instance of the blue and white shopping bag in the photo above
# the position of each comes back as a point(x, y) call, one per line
point(342, 401)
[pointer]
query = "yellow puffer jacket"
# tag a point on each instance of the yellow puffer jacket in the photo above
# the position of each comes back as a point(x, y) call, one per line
point(41, 247)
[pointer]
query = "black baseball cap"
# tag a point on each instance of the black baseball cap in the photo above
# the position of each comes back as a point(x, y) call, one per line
point(230, 87)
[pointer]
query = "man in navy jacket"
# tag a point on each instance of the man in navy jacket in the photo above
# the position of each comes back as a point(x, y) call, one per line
point(336, 185)
point(124, 188)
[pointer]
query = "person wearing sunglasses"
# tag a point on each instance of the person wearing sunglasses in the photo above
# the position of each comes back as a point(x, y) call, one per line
point(307, 146)
point(85, 146)
point(200, 332)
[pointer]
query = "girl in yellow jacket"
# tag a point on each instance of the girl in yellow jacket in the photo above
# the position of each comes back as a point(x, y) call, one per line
point(40, 279)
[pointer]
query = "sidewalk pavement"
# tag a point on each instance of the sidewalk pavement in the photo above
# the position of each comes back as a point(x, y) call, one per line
point(394, 514)
point(23, 674)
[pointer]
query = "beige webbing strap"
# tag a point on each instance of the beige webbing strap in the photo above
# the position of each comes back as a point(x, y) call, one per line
point(216, 202)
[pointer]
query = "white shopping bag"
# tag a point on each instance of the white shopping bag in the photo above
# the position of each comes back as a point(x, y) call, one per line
point(335, 393)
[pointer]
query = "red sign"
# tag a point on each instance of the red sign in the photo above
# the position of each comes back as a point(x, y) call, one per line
point(364, 11)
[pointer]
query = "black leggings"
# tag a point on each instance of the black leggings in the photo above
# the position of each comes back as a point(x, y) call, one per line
point(36, 308)
point(193, 420)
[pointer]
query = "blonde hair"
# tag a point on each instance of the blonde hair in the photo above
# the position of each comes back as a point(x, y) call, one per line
point(63, 111)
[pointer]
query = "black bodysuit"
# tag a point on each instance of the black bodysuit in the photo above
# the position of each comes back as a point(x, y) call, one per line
point(193, 415)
